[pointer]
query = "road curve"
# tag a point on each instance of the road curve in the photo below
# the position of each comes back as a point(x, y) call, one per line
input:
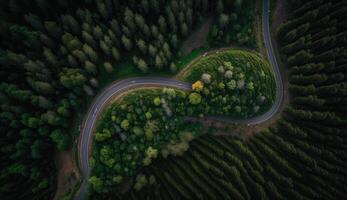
point(124, 85)
point(97, 106)
point(274, 66)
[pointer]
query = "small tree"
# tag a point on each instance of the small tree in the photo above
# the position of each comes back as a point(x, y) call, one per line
point(158, 62)
point(124, 124)
point(162, 24)
point(228, 74)
point(90, 67)
point(157, 101)
point(126, 43)
point(108, 67)
point(96, 183)
point(194, 98)
point(197, 86)
point(142, 65)
point(115, 54)
point(206, 78)
point(142, 46)
point(173, 67)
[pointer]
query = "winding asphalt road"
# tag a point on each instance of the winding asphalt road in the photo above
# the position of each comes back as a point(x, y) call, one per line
point(126, 84)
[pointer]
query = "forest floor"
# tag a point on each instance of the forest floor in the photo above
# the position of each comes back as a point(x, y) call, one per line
point(279, 14)
point(198, 38)
point(67, 174)
point(257, 27)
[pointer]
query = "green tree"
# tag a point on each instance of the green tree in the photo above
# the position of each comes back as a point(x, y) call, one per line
point(138, 130)
point(125, 124)
point(142, 46)
point(159, 62)
point(97, 183)
point(152, 50)
point(162, 24)
point(97, 32)
point(157, 101)
point(71, 78)
point(102, 136)
point(174, 41)
point(105, 49)
point(173, 67)
point(92, 55)
point(129, 19)
point(61, 140)
point(126, 43)
point(115, 54)
point(108, 67)
point(142, 65)
point(194, 98)
point(90, 67)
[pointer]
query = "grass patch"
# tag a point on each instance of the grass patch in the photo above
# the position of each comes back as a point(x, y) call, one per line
point(182, 62)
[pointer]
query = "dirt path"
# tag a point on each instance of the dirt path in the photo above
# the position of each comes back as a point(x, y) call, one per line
point(258, 29)
point(67, 174)
point(279, 15)
point(197, 39)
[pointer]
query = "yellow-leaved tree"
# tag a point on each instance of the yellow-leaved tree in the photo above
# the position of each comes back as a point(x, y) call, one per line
point(197, 86)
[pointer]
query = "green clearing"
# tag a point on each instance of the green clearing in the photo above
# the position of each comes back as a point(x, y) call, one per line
point(245, 68)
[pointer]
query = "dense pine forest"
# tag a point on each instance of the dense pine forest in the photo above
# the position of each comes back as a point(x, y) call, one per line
point(56, 55)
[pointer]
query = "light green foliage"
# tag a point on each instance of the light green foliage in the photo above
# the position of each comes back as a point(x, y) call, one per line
point(61, 140)
point(96, 183)
point(102, 136)
point(142, 65)
point(141, 181)
point(157, 101)
point(234, 73)
point(221, 85)
point(117, 179)
point(194, 98)
point(148, 115)
point(137, 130)
point(71, 78)
point(231, 84)
point(125, 124)
point(150, 154)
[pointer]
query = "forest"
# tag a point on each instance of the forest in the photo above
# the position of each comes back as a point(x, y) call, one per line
point(57, 55)
point(303, 154)
point(151, 123)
